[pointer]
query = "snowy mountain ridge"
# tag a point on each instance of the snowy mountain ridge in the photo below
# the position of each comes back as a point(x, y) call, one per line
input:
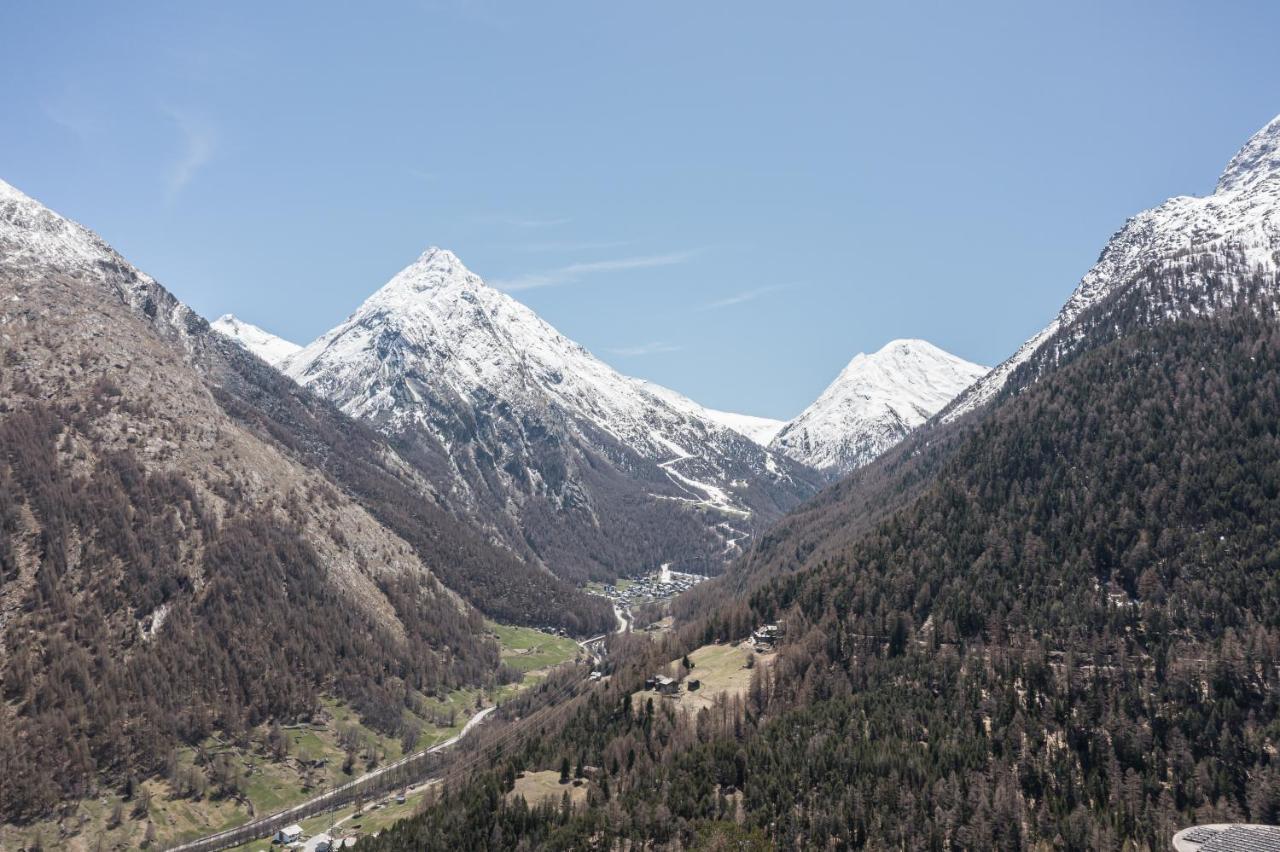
point(35, 235)
point(874, 402)
point(434, 343)
point(267, 346)
point(1215, 242)
point(758, 429)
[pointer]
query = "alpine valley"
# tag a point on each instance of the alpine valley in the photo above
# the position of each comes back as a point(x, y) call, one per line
point(442, 579)
point(364, 523)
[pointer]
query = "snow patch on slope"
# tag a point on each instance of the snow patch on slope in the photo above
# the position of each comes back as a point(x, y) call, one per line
point(762, 430)
point(36, 235)
point(35, 241)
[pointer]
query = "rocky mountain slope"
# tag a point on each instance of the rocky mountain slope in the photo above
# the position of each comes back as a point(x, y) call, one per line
point(1215, 247)
point(874, 402)
point(569, 463)
point(189, 542)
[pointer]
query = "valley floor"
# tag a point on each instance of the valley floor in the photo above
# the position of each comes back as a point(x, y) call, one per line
point(184, 807)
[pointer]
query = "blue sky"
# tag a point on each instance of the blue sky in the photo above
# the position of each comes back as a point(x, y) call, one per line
point(730, 198)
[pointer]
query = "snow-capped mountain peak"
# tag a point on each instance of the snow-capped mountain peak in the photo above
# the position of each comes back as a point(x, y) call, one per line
point(436, 270)
point(873, 403)
point(1257, 161)
point(267, 346)
point(437, 314)
point(537, 432)
point(1213, 247)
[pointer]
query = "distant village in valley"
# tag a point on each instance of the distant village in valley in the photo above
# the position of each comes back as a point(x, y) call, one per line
point(653, 588)
point(662, 584)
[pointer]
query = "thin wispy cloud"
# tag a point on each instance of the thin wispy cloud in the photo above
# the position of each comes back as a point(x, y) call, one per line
point(576, 271)
point(72, 118)
point(569, 245)
point(199, 142)
point(743, 297)
point(657, 347)
point(528, 222)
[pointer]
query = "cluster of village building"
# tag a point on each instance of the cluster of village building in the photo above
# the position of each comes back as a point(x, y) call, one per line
point(653, 587)
point(293, 837)
point(666, 685)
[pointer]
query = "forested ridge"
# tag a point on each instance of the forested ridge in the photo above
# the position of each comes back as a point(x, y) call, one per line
point(1068, 639)
point(1196, 283)
point(115, 654)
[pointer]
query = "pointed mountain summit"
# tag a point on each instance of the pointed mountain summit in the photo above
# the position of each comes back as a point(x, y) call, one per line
point(1191, 255)
point(568, 462)
point(435, 269)
point(274, 350)
point(874, 402)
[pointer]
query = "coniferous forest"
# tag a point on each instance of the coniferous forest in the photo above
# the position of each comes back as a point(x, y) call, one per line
point(97, 699)
point(1069, 640)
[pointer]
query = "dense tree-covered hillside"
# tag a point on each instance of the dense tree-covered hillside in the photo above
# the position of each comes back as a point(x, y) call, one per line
point(1067, 638)
point(116, 653)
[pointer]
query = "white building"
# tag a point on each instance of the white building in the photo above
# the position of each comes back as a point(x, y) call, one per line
point(319, 843)
point(289, 834)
